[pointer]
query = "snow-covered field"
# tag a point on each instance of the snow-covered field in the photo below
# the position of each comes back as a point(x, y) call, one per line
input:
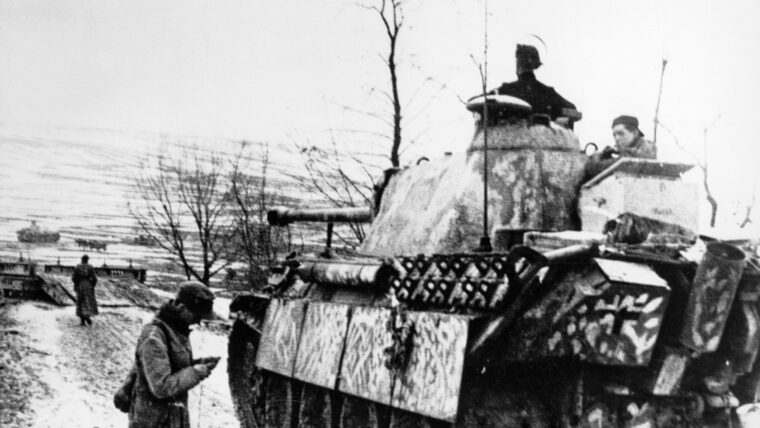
point(54, 373)
point(79, 182)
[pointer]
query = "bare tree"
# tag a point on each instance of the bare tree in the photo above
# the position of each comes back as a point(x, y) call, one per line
point(391, 15)
point(182, 205)
point(404, 111)
point(258, 243)
point(333, 175)
point(748, 208)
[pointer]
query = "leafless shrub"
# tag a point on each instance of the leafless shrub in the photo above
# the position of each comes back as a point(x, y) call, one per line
point(182, 203)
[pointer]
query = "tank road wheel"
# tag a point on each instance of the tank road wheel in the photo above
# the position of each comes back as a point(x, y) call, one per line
point(265, 399)
point(403, 419)
point(316, 408)
point(487, 407)
point(278, 399)
point(357, 412)
point(246, 381)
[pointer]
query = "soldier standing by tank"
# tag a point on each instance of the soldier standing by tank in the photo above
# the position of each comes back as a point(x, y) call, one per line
point(84, 286)
point(164, 366)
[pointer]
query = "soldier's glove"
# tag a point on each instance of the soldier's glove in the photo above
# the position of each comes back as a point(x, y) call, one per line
point(608, 152)
point(122, 402)
point(203, 370)
point(211, 362)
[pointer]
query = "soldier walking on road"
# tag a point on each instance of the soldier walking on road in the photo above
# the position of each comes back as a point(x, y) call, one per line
point(84, 286)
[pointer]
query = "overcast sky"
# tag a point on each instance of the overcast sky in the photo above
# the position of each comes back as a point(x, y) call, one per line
point(280, 70)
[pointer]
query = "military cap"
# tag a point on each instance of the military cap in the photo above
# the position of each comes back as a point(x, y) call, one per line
point(528, 54)
point(626, 120)
point(197, 297)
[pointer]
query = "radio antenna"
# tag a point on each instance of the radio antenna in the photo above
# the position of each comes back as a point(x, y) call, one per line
point(485, 240)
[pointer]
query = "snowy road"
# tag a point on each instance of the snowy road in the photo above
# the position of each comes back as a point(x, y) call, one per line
point(66, 374)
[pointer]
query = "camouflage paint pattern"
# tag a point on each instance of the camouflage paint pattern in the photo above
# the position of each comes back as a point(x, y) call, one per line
point(431, 384)
point(321, 345)
point(591, 317)
point(711, 296)
point(363, 372)
point(280, 336)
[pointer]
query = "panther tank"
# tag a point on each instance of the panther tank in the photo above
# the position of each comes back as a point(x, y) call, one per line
point(450, 314)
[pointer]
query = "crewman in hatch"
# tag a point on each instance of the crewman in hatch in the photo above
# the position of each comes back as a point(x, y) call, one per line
point(542, 98)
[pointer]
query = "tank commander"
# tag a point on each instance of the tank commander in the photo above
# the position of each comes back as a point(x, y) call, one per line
point(542, 98)
point(629, 142)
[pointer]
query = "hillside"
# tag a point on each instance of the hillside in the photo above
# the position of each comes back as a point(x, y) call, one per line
point(79, 181)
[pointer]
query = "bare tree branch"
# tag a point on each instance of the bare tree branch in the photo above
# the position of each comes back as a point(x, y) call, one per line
point(366, 113)
point(259, 243)
point(703, 165)
point(748, 209)
point(327, 177)
point(659, 98)
point(175, 191)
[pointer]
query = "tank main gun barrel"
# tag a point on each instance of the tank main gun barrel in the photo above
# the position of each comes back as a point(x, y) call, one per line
point(285, 216)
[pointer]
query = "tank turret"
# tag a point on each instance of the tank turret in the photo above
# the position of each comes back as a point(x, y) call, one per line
point(534, 172)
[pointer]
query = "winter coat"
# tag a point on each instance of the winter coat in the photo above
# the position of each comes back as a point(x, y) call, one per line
point(84, 280)
point(639, 148)
point(544, 99)
point(165, 373)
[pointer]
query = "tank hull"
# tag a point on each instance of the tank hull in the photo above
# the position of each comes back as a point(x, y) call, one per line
point(418, 330)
